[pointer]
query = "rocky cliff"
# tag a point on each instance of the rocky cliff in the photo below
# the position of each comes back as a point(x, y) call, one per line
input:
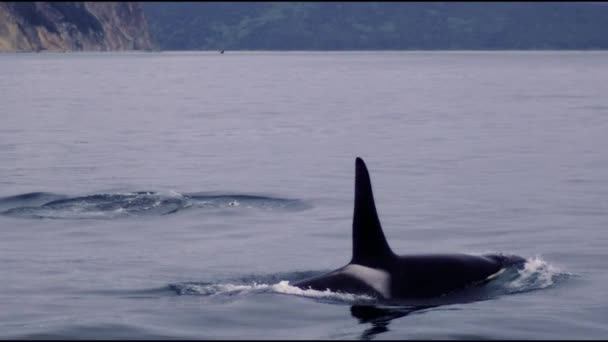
point(73, 26)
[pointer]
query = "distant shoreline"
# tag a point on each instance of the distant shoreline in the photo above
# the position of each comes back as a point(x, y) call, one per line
point(297, 51)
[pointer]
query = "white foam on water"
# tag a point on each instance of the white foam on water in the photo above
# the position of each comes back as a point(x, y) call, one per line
point(284, 287)
point(173, 194)
point(536, 274)
point(281, 287)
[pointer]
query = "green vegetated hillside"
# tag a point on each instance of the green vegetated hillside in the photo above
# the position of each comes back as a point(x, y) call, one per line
point(377, 25)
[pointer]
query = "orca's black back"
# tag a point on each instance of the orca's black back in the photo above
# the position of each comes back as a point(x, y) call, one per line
point(428, 275)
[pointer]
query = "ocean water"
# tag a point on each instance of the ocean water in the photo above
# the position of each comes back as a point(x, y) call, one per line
point(177, 195)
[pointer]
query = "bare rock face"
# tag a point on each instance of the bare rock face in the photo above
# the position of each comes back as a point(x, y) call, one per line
point(73, 26)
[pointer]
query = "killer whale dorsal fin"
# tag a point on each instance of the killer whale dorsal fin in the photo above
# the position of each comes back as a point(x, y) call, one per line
point(369, 244)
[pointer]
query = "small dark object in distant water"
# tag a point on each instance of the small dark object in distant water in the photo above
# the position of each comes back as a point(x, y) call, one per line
point(375, 270)
point(222, 51)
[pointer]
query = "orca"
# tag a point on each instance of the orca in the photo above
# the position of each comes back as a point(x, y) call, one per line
point(377, 271)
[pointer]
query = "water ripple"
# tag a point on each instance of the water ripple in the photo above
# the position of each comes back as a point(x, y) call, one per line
point(129, 204)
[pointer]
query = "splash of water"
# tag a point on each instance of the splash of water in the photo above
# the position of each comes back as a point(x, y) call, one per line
point(535, 274)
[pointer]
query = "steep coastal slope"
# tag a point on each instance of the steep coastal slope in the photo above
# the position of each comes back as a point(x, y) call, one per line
point(73, 26)
point(374, 25)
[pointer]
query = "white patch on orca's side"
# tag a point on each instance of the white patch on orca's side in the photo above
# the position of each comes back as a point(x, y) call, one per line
point(494, 275)
point(377, 279)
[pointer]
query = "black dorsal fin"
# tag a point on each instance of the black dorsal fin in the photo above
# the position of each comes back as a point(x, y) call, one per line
point(369, 244)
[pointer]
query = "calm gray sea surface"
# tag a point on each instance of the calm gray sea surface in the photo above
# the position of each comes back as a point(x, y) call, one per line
point(176, 195)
